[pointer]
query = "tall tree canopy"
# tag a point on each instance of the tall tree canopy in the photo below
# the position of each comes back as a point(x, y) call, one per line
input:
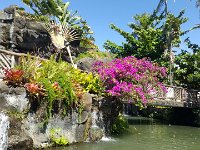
point(187, 70)
point(149, 36)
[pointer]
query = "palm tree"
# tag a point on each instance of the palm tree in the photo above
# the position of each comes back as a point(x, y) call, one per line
point(168, 37)
point(161, 4)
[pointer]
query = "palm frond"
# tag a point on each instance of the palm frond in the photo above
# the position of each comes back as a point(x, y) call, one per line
point(193, 28)
point(160, 5)
point(198, 3)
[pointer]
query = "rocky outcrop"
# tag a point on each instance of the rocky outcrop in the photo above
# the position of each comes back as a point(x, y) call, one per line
point(20, 143)
point(108, 109)
point(27, 130)
point(86, 63)
point(21, 33)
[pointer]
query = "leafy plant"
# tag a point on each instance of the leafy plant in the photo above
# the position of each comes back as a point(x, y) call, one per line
point(56, 82)
point(34, 89)
point(29, 65)
point(187, 70)
point(120, 126)
point(58, 139)
point(53, 8)
point(90, 83)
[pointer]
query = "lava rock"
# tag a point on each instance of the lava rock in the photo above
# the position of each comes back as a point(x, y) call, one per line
point(87, 101)
point(16, 142)
point(95, 134)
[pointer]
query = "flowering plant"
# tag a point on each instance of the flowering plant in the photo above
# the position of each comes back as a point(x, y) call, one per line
point(131, 78)
point(34, 89)
point(13, 77)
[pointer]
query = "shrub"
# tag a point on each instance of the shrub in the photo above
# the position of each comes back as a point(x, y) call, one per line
point(131, 78)
point(89, 82)
point(57, 138)
point(57, 83)
point(120, 126)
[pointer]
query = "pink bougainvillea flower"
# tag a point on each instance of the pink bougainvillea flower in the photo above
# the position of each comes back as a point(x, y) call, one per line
point(130, 77)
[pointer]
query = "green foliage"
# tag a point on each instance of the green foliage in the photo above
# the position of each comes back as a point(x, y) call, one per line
point(87, 40)
point(120, 126)
point(95, 54)
point(16, 114)
point(51, 73)
point(187, 71)
point(58, 83)
point(54, 80)
point(29, 65)
point(149, 36)
point(53, 8)
point(58, 139)
point(88, 81)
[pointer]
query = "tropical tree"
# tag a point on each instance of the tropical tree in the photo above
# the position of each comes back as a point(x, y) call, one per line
point(54, 9)
point(149, 36)
point(142, 42)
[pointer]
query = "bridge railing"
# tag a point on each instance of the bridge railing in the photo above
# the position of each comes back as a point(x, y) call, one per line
point(178, 94)
point(8, 59)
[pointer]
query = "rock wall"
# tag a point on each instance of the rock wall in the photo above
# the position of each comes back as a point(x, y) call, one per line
point(20, 33)
point(27, 130)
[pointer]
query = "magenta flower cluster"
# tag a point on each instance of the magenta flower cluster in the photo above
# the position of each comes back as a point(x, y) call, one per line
point(131, 78)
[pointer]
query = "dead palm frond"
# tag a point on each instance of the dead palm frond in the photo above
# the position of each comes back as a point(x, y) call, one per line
point(61, 36)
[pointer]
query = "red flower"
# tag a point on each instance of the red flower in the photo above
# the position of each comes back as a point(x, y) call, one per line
point(32, 88)
point(12, 76)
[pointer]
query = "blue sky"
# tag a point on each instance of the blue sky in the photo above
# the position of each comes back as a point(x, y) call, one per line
point(100, 13)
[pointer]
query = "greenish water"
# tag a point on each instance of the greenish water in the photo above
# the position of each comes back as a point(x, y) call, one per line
point(147, 135)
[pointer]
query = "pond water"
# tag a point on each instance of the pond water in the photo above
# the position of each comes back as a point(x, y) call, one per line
point(147, 134)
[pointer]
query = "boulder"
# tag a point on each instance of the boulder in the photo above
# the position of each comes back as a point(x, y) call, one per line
point(16, 142)
point(12, 99)
point(86, 63)
point(87, 101)
point(95, 134)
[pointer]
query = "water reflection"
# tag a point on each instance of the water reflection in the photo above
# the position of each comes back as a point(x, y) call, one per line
point(147, 135)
